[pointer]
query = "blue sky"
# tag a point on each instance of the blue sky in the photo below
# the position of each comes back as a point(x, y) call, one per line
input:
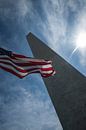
point(61, 24)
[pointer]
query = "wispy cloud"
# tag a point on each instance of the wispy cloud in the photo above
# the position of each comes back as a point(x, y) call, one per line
point(27, 111)
point(55, 24)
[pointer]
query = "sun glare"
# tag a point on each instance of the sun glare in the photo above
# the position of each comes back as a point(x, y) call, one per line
point(81, 40)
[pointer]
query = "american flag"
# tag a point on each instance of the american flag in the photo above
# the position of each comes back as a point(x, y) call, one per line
point(21, 65)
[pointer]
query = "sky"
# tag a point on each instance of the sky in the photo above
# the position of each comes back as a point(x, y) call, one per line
point(61, 24)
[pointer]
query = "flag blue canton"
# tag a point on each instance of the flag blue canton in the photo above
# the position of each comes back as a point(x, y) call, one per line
point(5, 52)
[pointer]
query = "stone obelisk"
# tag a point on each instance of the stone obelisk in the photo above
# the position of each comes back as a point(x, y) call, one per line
point(67, 88)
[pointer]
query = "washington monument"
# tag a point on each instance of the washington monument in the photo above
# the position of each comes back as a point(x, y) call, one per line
point(67, 88)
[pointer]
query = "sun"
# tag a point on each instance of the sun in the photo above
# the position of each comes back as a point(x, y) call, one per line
point(80, 40)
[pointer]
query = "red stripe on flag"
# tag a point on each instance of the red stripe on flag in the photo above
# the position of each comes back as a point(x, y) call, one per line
point(11, 71)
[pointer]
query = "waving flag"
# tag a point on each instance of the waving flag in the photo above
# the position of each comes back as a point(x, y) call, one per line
point(21, 65)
